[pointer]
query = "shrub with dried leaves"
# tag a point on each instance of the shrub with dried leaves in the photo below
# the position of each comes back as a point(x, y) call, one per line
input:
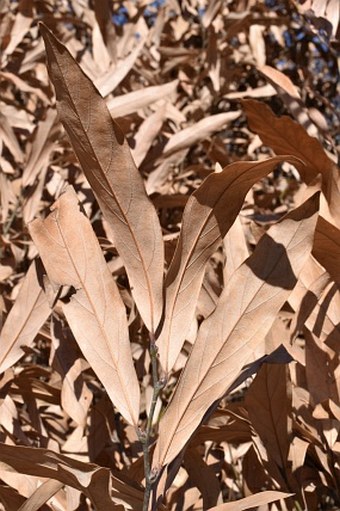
point(170, 256)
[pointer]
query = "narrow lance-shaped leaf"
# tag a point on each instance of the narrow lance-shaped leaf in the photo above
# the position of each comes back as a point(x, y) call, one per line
point(27, 316)
point(41, 495)
point(268, 404)
point(244, 314)
point(96, 314)
point(257, 500)
point(208, 215)
point(106, 160)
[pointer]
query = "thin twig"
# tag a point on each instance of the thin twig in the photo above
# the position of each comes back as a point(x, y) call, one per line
point(145, 436)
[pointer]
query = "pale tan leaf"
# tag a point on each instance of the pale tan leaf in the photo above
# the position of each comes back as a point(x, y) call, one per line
point(108, 82)
point(133, 101)
point(31, 203)
point(257, 44)
point(96, 313)
point(245, 312)
point(8, 136)
point(198, 131)
point(20, 28)
point(297, 452)
point(324, 14)
point(146, 134)
point(259, 499)
point(17, 118)
point(41, 495)
point(5, 272)
point(41, 148)
point(108, 165)
point(316, 300)
point(281, 80)
point(75, 395)
point(26, 317)
point(235, 247)
point(259, 92)
point(100, 54)
point(24, 86)
point(208, 215)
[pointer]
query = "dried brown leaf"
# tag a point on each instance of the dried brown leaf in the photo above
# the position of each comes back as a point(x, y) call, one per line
point(236, 249)
point(108, 165)
point(76, 397)
point(146, 134)
point(40, 150)
point(291, 97)
point(8, 136)
point(96, 313)
point(268, 407)
point(27, 316)
point(202, 476)
point(245, 312)
point(321, 366)
point(41, 495)
point(285, 136)
point(108, 82)
point(327, 247)
point(199, 131)
point(209, 213)
point(95, 482)
point(259, 499)
point(133, 101)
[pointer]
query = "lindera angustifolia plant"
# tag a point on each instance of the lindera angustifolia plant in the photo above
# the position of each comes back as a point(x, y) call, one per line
point(95, 312)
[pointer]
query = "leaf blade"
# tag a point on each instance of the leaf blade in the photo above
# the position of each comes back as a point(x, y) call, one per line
point(208, 215)
point(263, 284)
point(27, 316)
point(258, 499)
point(95, 313)
point(106, 160)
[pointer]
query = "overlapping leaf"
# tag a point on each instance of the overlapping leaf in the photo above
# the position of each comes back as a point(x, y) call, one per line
point(103, 489)
point(245, 312)
point(96, 314)
point(27, 316)
point(208, 215)
point(285, 136)
point(106, 160)
point(268, 406)
point(259, 499)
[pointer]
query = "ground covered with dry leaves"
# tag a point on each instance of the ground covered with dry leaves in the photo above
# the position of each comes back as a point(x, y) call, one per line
point(169, 335)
